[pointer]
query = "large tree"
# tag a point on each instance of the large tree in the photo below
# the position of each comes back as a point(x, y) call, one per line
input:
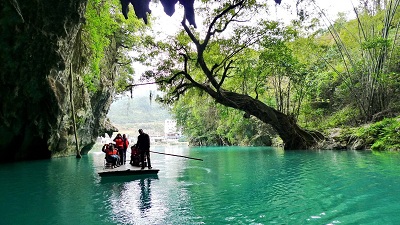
point(208, 61)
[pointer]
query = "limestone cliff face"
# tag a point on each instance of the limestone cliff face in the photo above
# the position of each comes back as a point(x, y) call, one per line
point(37, 40)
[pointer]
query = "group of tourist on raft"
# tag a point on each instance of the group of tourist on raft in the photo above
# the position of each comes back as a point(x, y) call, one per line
point(140, 152)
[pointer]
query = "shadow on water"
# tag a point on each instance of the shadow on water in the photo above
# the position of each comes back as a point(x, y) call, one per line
point(122, 179)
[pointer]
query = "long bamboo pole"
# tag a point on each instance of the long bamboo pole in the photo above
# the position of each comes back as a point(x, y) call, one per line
point(78, 153)
point(176, 155)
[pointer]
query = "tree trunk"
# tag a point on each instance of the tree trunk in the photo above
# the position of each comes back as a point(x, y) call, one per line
point(292, 135)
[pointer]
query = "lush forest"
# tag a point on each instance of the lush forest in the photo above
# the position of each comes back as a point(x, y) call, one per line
point(242, 79)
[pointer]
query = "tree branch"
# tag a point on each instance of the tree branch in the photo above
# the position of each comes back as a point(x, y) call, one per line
point(191, 35)
point(212, 24)
point(201, 47)
point(225, 73)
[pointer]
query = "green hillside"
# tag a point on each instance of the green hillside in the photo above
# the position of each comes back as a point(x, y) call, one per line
point(130, 114)
point(138, 109)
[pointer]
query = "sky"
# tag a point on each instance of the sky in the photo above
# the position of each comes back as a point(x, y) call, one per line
point(167, 25)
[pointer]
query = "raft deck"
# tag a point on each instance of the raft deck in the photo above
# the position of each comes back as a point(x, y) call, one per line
point(125, 170)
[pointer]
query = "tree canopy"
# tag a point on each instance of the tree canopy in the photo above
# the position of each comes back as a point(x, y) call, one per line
point(287, 76)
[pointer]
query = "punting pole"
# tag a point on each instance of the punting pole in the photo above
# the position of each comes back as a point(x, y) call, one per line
point(176, 155)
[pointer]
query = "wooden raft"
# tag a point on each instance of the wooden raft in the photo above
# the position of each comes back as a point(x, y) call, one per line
point(125, 170)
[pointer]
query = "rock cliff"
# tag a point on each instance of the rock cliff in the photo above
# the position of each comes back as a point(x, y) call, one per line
point(36, 65)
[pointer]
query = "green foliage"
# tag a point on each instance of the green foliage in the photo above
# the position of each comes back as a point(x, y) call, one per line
point(90, 82)
point(364, 59)
point(198, 122)
point(383, 135)
point(105, 32)
point(376, 43)
point(344, 117)
point(212, 124)
point(98, 29)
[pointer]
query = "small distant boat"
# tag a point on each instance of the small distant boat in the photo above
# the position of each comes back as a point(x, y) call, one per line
point(127, 170)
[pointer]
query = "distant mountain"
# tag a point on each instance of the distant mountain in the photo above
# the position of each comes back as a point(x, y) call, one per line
point(137, 110)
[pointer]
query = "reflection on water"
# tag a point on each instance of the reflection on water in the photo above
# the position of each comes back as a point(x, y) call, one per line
point(233, 185)
point(131, 202)
point(145, 195)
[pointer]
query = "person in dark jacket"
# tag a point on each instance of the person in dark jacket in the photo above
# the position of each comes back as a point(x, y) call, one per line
point(143, 144)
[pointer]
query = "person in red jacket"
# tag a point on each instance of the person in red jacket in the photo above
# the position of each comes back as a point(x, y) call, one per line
point(111, 154)
point(119, 142)
point(126, 145)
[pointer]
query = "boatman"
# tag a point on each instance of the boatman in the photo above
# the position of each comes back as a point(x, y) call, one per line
point(143, 144)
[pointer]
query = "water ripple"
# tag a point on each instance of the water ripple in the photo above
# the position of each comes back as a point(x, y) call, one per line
point(233, 185)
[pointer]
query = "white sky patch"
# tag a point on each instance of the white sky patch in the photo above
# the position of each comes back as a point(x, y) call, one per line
point(169, 25)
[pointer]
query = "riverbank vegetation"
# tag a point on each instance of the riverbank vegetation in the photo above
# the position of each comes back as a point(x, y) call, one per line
point(383, 135)
point(286, 80)
point(266, 82)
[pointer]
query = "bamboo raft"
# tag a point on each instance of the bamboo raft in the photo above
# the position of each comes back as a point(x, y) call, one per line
point(125, 170)
point(129, 169)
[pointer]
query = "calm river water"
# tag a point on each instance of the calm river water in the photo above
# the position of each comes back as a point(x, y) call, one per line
point(233, 185)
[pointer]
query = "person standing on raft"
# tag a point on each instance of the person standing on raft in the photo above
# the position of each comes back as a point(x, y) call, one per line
point(126, 145)
point(143, 144)
point(119, 142)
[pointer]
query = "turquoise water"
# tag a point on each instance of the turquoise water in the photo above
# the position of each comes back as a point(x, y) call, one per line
point(233, 185)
